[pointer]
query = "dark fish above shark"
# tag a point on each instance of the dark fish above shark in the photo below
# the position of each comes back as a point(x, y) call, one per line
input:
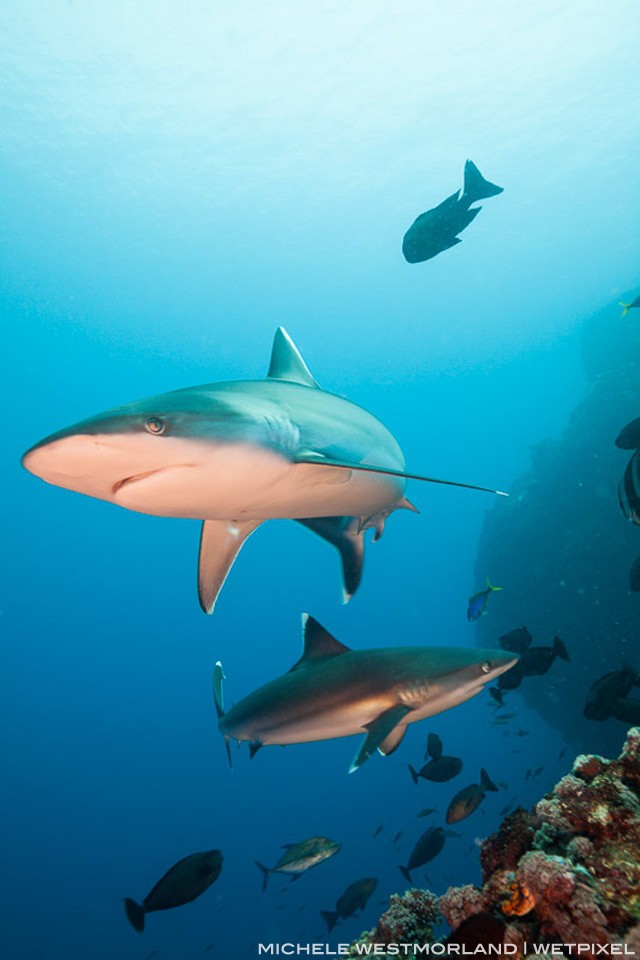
point(182, 883)
point(438, 228)
point(235, 454)
point(427, 848)
point(333, 691)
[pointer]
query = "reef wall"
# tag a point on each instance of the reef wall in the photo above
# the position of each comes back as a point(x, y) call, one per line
point(561, 547)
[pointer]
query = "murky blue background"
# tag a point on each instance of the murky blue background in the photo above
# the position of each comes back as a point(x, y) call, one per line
point(177, 180)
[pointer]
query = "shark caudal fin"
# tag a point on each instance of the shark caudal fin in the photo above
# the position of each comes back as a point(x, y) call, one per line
point(218, 677)
point(345, 534)
point(220, 543)
point(475, 185)
point(330, 917)
point(266, 873)
point(135, 914)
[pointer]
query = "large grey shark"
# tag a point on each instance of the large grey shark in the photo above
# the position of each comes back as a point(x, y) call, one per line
point(236, 453)
point(333, 691)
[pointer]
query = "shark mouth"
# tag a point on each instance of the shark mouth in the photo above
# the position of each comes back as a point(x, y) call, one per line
point(127, 481)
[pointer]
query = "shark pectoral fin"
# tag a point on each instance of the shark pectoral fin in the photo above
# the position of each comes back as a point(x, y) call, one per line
point(319, 458)
point(345, 534)
point(391, 743)
point(220, 543)
point(377, 733)
point(218, 677)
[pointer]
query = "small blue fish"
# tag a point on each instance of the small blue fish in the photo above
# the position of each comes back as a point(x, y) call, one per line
point(478, 602)
point(629, 306)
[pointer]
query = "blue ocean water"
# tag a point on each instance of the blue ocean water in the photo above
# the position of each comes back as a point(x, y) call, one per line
point(177, 180)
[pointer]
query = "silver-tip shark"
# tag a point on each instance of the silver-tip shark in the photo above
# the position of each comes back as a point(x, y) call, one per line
point(236, 453)
point(333, 691)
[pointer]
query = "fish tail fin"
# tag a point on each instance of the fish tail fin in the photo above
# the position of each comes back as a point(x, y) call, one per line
point(218, 677)
point(490, 586)
point(266, 873)
point(475, 185)
point(135, 914)
point(405, 873)
point(560, 649)
point(330, 917)
point(626, 307)
point(414, 775)
point(486, 782)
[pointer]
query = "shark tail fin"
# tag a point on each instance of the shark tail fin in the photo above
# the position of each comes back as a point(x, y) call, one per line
point(266, 873)
point(218, 677)
point(330, 917)
point(414, 775)
point(405, 873)
point(475, 185)
point(560, 649)
point(220, 543)
point(626, 307)
point(486, 782)
point(135, 914)
point(490, 586)
point(346, 535)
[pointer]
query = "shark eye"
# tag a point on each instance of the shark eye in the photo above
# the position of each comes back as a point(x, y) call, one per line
point(155, 425)
point(486, 667)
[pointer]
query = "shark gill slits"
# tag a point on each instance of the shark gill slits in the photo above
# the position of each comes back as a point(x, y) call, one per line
point(155, 425)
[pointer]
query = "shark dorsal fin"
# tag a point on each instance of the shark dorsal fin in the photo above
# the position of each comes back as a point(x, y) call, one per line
point(318, 644)
point(286, 362)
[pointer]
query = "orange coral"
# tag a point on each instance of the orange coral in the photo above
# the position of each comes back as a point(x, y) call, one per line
point(517, 899)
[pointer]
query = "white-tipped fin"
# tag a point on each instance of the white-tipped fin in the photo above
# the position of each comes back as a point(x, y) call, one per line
point(379, 732)
point(287, 363)
point(220, 543)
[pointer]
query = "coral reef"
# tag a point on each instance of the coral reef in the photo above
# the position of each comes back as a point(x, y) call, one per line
point(409, 919)
point(567, 872)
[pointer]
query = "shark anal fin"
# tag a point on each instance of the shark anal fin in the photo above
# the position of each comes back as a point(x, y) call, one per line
point(391, 743)
point(220, 543)
point(345, 534)
point(318, 643)
point(254, 746)
point(377, 733)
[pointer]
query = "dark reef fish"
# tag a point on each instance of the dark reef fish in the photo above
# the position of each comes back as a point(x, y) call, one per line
point(634, 576)
point(426, 849)
point(300, 857)
point(477, 603)
point(235, 454)
point(434, 747)
point(437, 771)
point(440, 768)
point(378, 830)
point(608, 690)
point(629, 489)
point(182, 883)
point(438, 228)
point(629, 436)
point(428, 811)
point(517, 640)
point(512, 680)
point(536, 661)
point(628, 711)
point(354, 898)
point(496, 696)
point(629, 306)
point(469, 798)
point(333, 691)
